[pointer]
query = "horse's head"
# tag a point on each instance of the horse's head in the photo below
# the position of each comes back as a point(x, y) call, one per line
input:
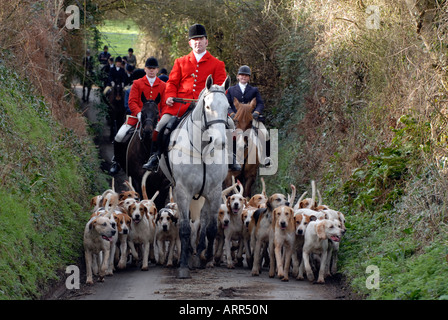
point(214, 110)
point(150, 113)
point(243, 117)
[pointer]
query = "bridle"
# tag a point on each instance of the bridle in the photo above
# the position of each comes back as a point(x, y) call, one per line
point(207, 123)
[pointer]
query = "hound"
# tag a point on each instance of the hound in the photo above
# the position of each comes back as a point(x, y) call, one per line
point(316, 243)
point(167, 230)
point(248, 220)
point(284, 237)
point(259, 200)
point(264, 233)
point(140, 232)
point(98, 235)
point(222, 213)
point(233, 225)
point(123, 222)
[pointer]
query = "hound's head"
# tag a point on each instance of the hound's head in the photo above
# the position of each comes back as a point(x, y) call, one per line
point(276, 200)
point(302, 221)
point(236, 203)
point(247, 215)
point(166, 219)
point(223, 216)
point(328, 229)
point(283, 217)
point(129, 195)
point(257, 200)
point(137, 211)
point(104, 226)
point(123, 222)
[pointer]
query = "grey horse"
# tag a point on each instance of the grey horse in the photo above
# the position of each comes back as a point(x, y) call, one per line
point(198, 166)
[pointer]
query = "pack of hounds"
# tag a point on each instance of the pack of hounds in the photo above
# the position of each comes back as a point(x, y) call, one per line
point(265, 231)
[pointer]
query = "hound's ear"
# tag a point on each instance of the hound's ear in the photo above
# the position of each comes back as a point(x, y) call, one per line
point(157, 99)
point(174, 218)
point(320, 230)
point(228, 202)
point(313, 218)
point(209, 82)
point(92, 224)
point(268, 203)
point(226, 83)
point(158, 217)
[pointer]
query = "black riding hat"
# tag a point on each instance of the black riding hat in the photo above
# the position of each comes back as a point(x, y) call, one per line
point(118, 59)
point(244, 70)
point(151, 63)
point(197, 31)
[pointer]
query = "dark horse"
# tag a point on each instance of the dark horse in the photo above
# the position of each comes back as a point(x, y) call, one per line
point(115, 99)
point(138, 152)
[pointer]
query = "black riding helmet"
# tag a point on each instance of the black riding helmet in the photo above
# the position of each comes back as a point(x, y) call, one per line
point(197, 31)
point(244, 70)
point(151, 63)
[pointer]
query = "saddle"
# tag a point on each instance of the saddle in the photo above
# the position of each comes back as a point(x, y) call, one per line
point(163, 140)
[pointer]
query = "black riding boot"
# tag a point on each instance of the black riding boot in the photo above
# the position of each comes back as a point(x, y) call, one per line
point(153, 162)
point(234, 166)
point(115, 166)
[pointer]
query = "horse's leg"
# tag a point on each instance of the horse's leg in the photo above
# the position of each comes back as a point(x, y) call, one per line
point(183, 202)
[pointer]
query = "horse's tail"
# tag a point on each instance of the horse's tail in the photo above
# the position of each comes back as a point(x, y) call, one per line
point(144, 194)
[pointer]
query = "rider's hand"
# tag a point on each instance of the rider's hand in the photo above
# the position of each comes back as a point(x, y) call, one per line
point(255, 115)
point(170, 102)
point(139, 116)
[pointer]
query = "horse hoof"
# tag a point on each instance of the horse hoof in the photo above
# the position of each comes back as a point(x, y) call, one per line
point(183, 273)
point(196, 262)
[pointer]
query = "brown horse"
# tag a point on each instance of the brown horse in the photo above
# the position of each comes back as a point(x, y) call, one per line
point(243, 121)
point(139, 150)
point(115, 99)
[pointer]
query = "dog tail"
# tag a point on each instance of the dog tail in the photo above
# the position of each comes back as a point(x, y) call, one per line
point(320, 198)
point(296, 207)
point(129, 184)
point(264, 188)
point(144, 194)
point(226, 191)
point(313, 194)
point(155, 195)
point(293, 195)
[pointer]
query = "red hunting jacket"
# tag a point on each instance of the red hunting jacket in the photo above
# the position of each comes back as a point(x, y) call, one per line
point(187, 79)
point(135, 100)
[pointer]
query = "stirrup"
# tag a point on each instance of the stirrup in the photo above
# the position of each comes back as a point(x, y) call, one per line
point(152, 164)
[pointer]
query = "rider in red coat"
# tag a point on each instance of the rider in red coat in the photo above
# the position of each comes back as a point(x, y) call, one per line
point(150, 85)
point(187, 79)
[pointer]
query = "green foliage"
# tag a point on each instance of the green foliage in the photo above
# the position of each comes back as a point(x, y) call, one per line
point(46, 176)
